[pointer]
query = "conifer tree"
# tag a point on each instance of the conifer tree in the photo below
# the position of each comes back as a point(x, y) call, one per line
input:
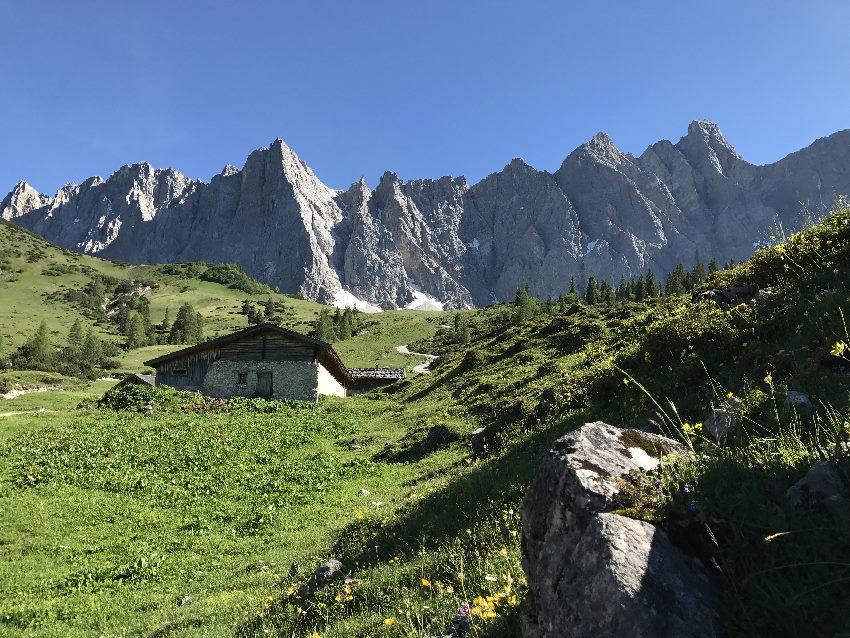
point(136, 334)
point(652, 287)
point(75, 336)
point(324, 329)
point(188, 326)
point(591, 291)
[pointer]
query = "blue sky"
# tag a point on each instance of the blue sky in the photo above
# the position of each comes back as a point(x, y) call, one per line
point(424, 88)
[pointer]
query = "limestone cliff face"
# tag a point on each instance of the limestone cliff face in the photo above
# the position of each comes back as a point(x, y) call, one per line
point(602, 213)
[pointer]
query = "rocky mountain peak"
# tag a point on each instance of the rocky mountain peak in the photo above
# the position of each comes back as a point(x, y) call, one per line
point(22, 199)
point(602, 213)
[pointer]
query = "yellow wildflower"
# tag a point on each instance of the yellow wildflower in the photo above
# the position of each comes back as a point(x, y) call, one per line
point(389, 622)
point(426, 582)
point(503, 552)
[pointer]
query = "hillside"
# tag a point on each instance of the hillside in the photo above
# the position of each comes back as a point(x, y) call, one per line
point(37, 279)
point(602, 213)
point(215, 500)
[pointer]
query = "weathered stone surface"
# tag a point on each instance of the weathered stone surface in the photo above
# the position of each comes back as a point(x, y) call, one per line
point(478, 440)
point(823, 485)
point(628, 579)
point(798, 399)
point(325, 573)
point(602, 213)
point(591, 573)
point(723, 419)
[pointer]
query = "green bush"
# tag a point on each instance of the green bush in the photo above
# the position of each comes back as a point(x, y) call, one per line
point(132, 396)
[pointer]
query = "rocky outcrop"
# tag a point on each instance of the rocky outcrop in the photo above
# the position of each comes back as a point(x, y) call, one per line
point(594, 573)
point(603, 213)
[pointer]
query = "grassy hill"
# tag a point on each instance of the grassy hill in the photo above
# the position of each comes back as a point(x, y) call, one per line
point(36, 277)
point(214, 500)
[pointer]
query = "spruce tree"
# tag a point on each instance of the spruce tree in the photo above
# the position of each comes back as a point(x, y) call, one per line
point(591, 291)
point(136, 335)
point(324, 329)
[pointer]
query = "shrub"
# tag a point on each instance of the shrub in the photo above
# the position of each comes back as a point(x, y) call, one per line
point(130, 396)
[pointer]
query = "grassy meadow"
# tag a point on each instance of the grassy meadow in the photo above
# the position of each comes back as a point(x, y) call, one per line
point(109, 519)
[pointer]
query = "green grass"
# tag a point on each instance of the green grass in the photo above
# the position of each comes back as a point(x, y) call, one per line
point(217, 505)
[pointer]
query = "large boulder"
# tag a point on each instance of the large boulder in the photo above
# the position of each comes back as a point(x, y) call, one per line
point(593, 573)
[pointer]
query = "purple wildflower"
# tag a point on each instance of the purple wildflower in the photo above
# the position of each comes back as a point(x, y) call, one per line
point(463, 610)
point(692, 508)
point(656, 483)
point(686, 490)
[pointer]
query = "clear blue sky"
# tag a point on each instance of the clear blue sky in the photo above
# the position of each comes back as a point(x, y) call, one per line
point(425, 88)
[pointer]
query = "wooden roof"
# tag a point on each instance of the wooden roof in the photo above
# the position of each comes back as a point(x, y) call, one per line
point(328, 356)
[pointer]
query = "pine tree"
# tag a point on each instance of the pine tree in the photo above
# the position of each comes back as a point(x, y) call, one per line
point(713, 266)
point(696, 276)
point(676, 281)
point(623, 290)
point(37, 353)
point(324, 329)
point(652, 287)
point(75, 336)
point(91, 354)
point(591, 291)
point(640, 289)
point(188, 326)
point(136, 335)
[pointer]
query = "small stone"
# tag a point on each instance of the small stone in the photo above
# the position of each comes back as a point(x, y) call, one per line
point(377, 504)
point(186, 600)
point(364, 492)
point(478, 441)
point(822, 484)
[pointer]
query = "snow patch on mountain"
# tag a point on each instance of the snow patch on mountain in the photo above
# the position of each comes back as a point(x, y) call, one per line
point(422, 300)
point(344, 299)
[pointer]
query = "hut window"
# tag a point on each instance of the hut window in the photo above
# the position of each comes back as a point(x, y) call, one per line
point(179, 372)
point(243, 378)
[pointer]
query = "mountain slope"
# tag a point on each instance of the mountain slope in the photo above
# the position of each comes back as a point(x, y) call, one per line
point(602, 213)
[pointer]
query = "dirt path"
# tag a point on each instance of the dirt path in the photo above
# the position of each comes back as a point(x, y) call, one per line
point(16, 392)
point(28, 412)
point(422, 367)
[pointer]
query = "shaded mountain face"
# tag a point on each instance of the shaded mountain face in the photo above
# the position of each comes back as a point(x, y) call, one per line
point(602, 213)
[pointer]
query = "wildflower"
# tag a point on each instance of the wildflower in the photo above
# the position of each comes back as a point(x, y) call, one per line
point(729, 395)
point(315, 634)
point(426, 582)
point(656, 483)
point(768, 379)
point(692, 508)
point(389, 622)
point(503, 552)
point(463, 610)
point(686, 490)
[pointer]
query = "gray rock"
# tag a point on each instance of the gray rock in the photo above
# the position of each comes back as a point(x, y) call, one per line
point(798, 399)
point(185, 600)
point(634, 582)
point(602, 213)
point(722, 420)
point(478, 440)
point(364, 492)
point(591, 573)
point(325, 573)
point(822, 484)
point(460, 626)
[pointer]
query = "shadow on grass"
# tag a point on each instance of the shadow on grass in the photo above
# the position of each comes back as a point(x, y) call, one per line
point(445, 515)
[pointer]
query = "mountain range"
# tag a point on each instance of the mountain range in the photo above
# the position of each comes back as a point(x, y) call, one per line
point(433, 243)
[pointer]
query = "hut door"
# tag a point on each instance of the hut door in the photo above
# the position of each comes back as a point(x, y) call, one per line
point(264, 384)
